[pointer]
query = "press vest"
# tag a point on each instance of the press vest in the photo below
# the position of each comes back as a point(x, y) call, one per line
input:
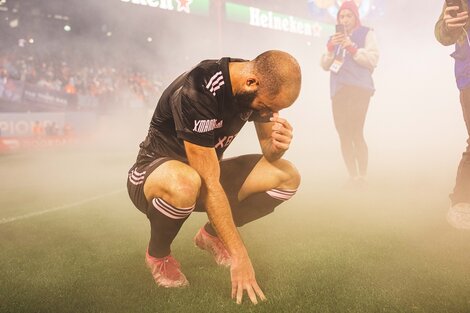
point(351, 73)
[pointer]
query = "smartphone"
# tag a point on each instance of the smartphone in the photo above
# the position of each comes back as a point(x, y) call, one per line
point(340, 27)
point(454, 3)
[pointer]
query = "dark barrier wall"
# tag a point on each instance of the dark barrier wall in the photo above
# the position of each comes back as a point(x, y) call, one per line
point(18, 96)
point(58, 123)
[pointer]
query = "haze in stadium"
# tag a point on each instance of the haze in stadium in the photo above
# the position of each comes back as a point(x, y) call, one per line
point(79, 82)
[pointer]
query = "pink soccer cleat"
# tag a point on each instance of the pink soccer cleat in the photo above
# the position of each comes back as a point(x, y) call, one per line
point(166, 271)
point(214, 245)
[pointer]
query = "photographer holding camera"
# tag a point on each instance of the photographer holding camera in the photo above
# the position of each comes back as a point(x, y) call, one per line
point(351, 57)
point(452, 28)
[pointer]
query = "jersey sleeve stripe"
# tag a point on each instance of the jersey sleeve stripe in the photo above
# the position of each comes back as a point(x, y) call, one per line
point(212, 79)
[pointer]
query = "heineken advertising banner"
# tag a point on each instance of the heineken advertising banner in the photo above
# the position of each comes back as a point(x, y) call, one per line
point(200, 7)
point(277, 21)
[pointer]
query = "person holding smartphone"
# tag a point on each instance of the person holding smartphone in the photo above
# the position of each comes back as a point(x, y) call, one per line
point(351, 57)
point(452, 29)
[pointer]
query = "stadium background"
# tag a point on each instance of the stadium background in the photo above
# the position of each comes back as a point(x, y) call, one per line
point(90, 72)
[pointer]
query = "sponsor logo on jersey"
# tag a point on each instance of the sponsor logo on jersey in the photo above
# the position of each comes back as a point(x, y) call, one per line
point(216, 81)
point(204, 126)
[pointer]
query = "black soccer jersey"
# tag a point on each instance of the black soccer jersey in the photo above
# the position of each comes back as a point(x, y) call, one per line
point(197, 107)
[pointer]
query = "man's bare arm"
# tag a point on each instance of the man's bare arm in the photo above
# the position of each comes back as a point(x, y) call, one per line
point(274, 137)
point(204, 161)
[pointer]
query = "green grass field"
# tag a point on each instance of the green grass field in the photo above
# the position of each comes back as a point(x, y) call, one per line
point(71, 241)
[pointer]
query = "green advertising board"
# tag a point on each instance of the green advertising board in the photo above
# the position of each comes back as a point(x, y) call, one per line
point(200, 7)
point(276, 21)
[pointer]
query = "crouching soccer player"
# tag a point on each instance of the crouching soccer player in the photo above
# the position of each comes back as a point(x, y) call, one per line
point(179, 168)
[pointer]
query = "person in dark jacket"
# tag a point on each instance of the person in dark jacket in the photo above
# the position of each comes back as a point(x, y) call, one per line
point(452, 29)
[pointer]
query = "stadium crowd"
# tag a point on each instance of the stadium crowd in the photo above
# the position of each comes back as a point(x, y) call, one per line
point(96, 85)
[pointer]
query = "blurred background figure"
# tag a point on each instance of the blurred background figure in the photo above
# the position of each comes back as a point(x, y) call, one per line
point(37, 129)
point(351, 57)
point(451, 28)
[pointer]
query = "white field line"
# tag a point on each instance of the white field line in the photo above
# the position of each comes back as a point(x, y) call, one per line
point(58, 208)
point(12, 156)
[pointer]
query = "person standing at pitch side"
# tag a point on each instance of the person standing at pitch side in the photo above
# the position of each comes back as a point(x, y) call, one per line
point(351, 57)
point(452, 28)
point(180, 169)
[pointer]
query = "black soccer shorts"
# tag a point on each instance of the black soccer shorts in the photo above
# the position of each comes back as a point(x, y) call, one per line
point(233, 173)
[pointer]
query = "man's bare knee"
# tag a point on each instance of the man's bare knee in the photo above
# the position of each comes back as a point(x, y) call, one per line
point(185, 185)
point(176, 183)
point(290, 176)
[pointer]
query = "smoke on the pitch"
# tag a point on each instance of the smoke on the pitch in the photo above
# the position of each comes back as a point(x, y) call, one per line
point(414, 125)
point(413, 128)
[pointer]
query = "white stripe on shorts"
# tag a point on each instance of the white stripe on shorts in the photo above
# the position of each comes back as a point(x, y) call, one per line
point(137, 178)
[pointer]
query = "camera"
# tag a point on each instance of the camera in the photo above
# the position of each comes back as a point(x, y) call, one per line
point(340, 28)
